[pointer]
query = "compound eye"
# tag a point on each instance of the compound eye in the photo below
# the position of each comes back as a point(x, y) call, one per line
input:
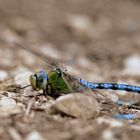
point(40, 79)
point(33, 81)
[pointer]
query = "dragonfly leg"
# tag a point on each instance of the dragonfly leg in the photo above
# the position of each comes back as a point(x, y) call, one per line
point(48, 91)
point(44, 92)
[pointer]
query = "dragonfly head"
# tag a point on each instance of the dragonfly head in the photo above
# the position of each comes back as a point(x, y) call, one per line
point(39, 80)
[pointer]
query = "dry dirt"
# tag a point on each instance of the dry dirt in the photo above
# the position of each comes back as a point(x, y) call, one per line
point(96, 40)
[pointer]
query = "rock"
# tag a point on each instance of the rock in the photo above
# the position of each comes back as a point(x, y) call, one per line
point(108, 135)
point(8, 111)
point(7, 102)
point(34, 136)
point(81, 25)
point(3, 75)
point(132, 65)
point(15, 135)
point(11, 94)
point(22, 76)
point(77, 105)
point(111, 122)
point(8, 106)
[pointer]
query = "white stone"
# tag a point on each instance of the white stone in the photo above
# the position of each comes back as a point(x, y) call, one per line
point(34, 136)
point(84, 62)
point(22, 76)
point(107, 135)
point(81, 25)
point(111, 122)
point(7, 102)
point(80, 22)
point(3, 75)
point(132, 65)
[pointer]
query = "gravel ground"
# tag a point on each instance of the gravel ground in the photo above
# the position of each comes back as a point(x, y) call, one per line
point(95, 40)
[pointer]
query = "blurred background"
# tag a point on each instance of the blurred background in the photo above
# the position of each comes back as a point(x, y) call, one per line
point(94, 37)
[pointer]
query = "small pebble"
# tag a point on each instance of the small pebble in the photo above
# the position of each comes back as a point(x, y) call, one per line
point(7, 102)
point(34, 136)
point(22, 76)
point(107, 135)
point(81, 25)
point(3, 75)
point(9, 107)
point(132, 65)
point(111, 122)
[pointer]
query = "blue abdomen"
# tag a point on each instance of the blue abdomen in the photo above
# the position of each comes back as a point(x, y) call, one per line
point(113, 86)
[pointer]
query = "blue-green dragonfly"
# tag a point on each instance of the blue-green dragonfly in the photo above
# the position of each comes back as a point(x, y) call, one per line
point(58, 81)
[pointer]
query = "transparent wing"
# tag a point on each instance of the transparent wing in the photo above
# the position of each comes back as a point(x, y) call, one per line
point(50, 61)
point(77, 87)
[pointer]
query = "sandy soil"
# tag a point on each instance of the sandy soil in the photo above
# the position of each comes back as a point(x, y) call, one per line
point(98, 41)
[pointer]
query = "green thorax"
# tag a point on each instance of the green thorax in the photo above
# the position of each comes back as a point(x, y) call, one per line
point(58, 83)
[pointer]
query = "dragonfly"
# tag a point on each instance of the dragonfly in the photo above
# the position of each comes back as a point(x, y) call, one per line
point(58, 81)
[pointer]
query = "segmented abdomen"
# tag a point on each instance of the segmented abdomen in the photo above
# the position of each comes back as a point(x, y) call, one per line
point(112, 86)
